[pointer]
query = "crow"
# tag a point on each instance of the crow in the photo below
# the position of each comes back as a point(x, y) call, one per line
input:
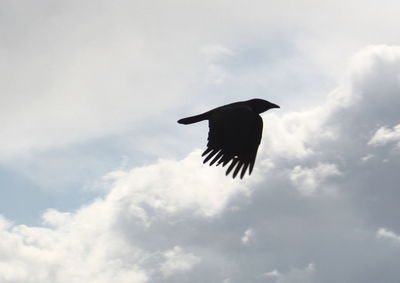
point(234, 135)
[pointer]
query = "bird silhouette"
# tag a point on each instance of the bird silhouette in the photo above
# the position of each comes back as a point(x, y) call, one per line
point(234, 135)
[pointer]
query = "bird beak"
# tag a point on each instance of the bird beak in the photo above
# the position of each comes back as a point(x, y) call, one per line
point(274, 106)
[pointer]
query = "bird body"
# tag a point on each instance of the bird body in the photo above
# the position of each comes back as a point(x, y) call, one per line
point(235, 132)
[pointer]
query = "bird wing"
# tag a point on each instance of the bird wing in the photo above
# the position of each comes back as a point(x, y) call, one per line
point(234, 135)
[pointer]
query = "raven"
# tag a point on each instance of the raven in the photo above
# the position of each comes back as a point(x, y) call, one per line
point(234, 135)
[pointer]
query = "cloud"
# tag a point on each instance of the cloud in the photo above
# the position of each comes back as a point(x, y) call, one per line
point(216, 73)
point(179, 186)
point(71, 246)
point(273, 273)
point(247, 236)
point(77, 248)
point(298, 275)
point(307, 180)
point(87, 74)
point(382, 233)
point(179, 219)
point(61, 253)
point(385, 135)
point(84, 71)
point(79, 71)
point(177, 261)
point(301, 275)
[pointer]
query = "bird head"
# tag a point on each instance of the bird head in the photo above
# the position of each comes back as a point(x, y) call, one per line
point(260, 105)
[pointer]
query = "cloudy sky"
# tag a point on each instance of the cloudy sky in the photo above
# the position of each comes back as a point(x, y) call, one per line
point(100, 184)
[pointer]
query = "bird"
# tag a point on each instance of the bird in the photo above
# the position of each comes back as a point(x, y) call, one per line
point(235, 132)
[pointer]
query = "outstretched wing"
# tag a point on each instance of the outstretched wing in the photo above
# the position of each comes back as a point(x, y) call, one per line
point(234, 135)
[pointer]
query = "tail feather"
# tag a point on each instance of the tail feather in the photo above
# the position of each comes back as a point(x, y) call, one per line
point(193, 119)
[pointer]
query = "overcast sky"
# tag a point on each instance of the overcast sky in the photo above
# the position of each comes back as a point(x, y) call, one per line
point(100, 184)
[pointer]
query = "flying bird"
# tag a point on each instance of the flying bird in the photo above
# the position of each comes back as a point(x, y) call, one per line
point(234, 135)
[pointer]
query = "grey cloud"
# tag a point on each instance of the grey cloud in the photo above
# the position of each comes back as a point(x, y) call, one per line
point(335, 228)
point(67, 64)
point(175, 221)
point(179, 221)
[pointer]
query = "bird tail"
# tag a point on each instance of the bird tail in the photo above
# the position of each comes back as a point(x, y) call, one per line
point(194, 119)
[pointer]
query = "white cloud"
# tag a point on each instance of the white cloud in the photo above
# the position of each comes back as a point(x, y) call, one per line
point(247, 236)
point(177, 261)
point(308, 180)
point(385, 135)
point(383, 233)
point(91, 245)
point(68, 254)
point(367, 157)
point(300, 275)
point(86, 246)
point(273, 273)
point(175, 186)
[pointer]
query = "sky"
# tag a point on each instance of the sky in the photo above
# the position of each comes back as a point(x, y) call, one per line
point(100, 184)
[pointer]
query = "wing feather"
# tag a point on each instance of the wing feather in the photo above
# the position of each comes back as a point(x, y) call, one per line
point(234, 135)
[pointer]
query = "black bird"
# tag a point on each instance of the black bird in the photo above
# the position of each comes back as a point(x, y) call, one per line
point(235, 133)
